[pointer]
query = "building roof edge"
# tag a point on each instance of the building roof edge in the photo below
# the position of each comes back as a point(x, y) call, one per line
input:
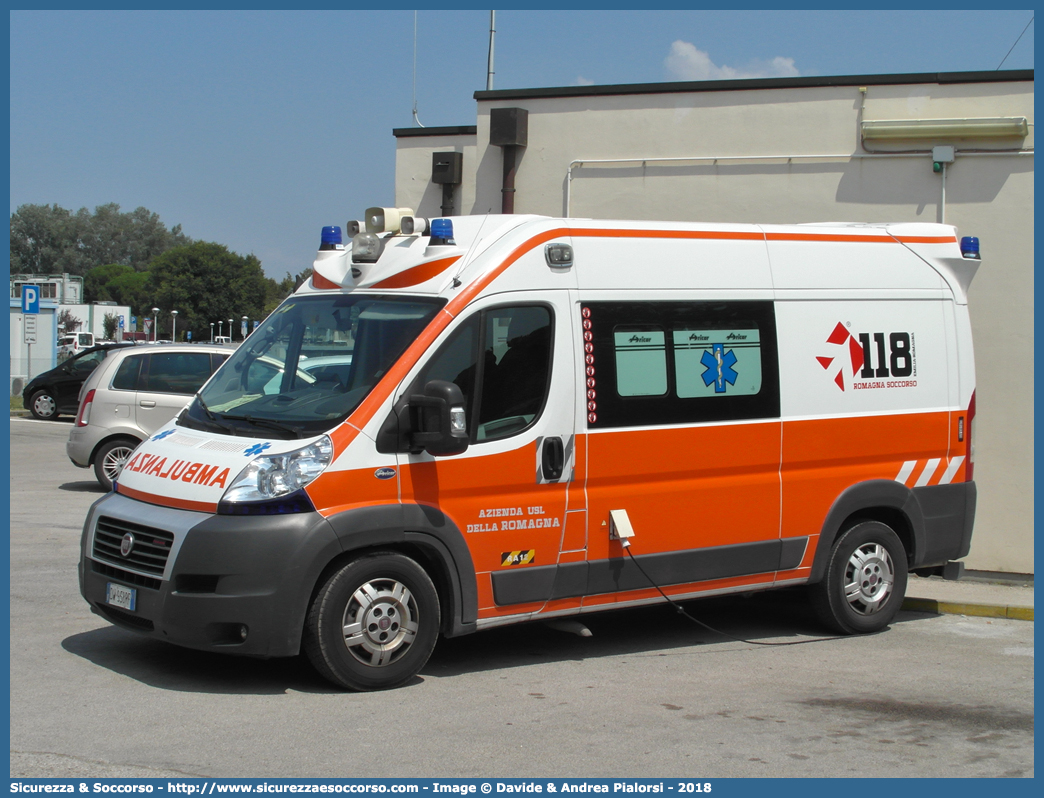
point(749, 84)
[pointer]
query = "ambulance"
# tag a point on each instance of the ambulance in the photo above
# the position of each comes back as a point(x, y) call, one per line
point(466, 422)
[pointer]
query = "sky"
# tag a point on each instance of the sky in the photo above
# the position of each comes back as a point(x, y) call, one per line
point(255, 129)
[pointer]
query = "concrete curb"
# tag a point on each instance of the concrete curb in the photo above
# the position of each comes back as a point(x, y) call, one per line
point(968, 608)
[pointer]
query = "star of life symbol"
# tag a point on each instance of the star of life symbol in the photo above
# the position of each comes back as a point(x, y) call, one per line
point(163, 435)
point(842, 337)
point(719, 367)
point(257, 448)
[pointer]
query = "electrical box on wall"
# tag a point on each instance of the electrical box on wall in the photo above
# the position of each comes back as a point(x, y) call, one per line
point(509, 127)
point(447, 168)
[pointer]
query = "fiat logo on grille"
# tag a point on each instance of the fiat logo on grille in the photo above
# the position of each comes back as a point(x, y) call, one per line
point(127, 545)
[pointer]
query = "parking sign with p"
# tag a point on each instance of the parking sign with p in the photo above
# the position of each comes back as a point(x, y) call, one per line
point(30, 299)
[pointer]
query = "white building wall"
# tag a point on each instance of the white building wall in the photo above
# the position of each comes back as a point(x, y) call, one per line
point(989, 193)
point(92, 317)
point(413, 186)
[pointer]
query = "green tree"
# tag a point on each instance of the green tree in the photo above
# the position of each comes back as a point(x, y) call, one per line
point(67, 322)
point(277, 292)
point(116, 282)
point(205, 283)
point(48, 239)
point(43, 240)
point(110, 324)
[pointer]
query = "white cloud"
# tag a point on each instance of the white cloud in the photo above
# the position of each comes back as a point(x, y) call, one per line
point(582, 81)
point(686, 62)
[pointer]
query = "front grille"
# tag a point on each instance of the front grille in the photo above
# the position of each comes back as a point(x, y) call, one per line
point(125, 576)
point(121, 618)
point(149, 553)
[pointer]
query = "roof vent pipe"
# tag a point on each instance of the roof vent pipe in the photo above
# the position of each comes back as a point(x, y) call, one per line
point(509, 130)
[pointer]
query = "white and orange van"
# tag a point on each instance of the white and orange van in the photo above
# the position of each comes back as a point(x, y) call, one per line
point(462, 423)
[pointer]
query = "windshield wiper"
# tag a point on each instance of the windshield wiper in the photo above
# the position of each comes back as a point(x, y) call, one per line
point(265, 422)
point(212, 417)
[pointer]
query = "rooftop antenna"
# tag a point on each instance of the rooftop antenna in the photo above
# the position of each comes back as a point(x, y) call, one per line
point(416, 121)
point(489, 65)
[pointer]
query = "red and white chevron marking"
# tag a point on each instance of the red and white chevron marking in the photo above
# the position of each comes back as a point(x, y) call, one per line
point(927, 472)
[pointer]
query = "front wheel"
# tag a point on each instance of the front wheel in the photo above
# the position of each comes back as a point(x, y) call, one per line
point(373, 623)
point(865, 582)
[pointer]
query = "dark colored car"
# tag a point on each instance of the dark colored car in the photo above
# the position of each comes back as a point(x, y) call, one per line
point(57, 391)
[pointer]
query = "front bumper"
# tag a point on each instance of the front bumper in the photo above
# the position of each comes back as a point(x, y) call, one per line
point(202, 579)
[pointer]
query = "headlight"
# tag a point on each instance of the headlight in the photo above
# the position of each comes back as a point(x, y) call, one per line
point(275, 475)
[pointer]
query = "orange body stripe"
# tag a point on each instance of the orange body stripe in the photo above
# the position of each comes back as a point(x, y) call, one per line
point(333, 492)
point(418, 274)
point(318, 281)
point(166, 501)
point(831, 237)
point(928, 239)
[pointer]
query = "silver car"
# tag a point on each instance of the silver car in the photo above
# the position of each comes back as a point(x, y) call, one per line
point(134, 392)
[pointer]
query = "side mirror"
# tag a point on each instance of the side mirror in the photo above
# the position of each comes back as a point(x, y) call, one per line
point(437, 419)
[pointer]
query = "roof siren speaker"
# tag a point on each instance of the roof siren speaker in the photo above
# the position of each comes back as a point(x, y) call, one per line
point(385, 220)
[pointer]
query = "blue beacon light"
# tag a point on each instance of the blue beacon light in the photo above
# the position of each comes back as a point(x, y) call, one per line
point(331, 238)
point(441, 231)
point(970, 247)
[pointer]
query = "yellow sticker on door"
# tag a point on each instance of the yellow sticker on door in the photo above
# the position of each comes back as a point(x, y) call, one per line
point(518, 557)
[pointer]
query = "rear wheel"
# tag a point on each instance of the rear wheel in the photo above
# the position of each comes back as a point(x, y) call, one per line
point(865, 582)
point(43, 406)
point(373, 623)
point(110, 459)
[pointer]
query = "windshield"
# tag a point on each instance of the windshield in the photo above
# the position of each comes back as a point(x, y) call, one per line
point(309, 365)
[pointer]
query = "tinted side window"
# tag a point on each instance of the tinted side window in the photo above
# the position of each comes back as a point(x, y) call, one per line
point(505, 386)
point(652, 363)
point(181, 373)
point(85, 364)
point(126, 378)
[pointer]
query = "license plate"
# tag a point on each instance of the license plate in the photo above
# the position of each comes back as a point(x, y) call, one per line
point(120, 596)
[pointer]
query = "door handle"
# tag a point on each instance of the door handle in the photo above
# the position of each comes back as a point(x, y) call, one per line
point(552, 459)
point(147, 403)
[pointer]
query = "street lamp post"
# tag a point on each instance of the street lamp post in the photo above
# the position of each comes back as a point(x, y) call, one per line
point(230, 336)
point(155, 325)
point(219, 327)
point(211, 332)
point(174, 327)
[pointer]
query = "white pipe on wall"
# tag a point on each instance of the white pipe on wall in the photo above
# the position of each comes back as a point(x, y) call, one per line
point(795, 157)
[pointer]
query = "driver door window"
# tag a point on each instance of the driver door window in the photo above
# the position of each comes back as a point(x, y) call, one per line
point(501, 361)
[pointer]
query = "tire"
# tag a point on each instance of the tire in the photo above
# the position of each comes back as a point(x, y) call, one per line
point(110, 459)
point(865, 582)
point(390, 608)
point(43, 406)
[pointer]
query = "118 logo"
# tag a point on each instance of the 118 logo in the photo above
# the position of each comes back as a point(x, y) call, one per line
point(871, 356)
